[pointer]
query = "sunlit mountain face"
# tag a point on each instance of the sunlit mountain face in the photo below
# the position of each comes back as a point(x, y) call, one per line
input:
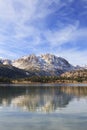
point(43, 65)
point(41, 100)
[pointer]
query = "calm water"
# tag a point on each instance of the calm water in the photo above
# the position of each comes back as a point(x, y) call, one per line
point(58, 108)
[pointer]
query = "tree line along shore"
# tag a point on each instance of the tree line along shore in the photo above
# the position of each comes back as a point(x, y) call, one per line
point(44, 79)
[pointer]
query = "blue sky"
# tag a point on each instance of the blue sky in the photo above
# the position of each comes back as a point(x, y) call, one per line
point(44, 26)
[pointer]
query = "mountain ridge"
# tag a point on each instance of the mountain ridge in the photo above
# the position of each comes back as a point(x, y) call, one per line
point(42, 65)
point(46, 61)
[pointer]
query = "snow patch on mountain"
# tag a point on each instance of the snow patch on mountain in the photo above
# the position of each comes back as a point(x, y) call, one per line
point(48, 63)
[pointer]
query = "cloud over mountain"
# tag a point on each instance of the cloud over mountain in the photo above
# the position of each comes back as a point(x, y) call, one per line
point(34, 26)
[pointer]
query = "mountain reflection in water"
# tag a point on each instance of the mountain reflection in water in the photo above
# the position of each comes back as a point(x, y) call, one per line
point(40, 99)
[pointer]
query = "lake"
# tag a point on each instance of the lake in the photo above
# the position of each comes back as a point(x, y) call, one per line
point(43, 108)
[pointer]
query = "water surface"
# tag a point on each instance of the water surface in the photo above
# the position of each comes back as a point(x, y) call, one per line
point(55, 108)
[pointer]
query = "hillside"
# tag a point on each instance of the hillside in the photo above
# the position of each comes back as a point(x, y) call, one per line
point(78, 75)
point(11, 72)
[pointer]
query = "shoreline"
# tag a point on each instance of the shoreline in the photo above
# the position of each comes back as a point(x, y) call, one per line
point(43, 85)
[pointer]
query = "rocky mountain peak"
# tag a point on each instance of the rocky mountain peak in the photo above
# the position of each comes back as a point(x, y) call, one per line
point(49, 58)
point(47, 62)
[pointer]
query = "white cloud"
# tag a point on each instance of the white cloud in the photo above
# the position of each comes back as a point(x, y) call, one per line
point(7, 11)
point(30, 10)
point(19, 12)
point(18, 22)
point(59, 37)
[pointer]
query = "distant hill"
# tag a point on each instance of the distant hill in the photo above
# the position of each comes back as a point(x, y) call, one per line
point(79, 75)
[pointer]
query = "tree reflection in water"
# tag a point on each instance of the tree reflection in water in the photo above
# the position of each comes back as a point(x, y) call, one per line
point(40, 99)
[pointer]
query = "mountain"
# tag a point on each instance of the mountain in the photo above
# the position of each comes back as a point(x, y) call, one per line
point(32, 65)
point(8, 71)
point(47, 64)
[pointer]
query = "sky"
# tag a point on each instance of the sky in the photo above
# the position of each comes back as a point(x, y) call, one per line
point(38, 27)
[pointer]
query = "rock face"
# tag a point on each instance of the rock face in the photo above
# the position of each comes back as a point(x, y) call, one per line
point(47, 64)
